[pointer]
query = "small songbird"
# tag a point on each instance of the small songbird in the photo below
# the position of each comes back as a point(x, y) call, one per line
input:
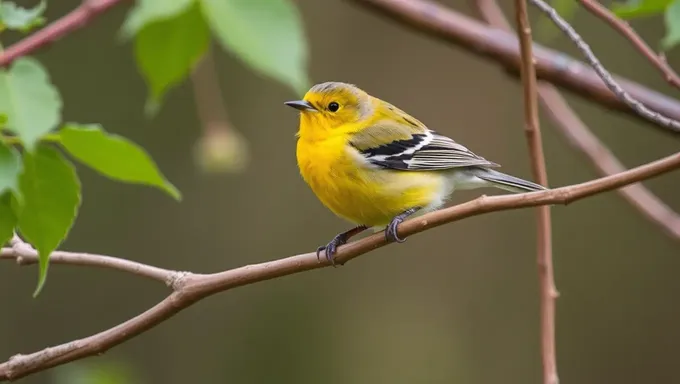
point(374, 165)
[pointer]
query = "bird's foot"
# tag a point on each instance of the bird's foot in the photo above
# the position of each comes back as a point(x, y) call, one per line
point(391, 230)
point(340, 239)
point(331, 248)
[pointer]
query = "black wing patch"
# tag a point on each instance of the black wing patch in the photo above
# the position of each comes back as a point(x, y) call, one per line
point(423, 152)
point(395, 148)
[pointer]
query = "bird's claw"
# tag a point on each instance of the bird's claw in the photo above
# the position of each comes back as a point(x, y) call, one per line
point(339, 239)
point(391, 231)
point(331, 248)
point(318, 252)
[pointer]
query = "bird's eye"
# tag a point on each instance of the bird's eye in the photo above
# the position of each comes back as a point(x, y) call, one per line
point(333, 106)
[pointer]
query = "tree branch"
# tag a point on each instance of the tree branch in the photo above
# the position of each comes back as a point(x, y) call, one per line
point(25, 254)
point(604, 161)
point(608, 79)
point(71, 22)
point(544, 225)
point(659, 61)
point(430, 18)
point(191, 288)
point(426, 17)
point(581, 137)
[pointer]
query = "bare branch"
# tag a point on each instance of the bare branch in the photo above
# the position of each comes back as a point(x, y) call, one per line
point(629, 33)
point(76, 19)
point(604, 161)
point(608, 79)
point(544, 225)
point(191, 288)
point(25, 254)
point(582, 138)
point(431, 18)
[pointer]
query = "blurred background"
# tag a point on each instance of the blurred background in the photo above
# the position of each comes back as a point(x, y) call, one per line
point(457, 304)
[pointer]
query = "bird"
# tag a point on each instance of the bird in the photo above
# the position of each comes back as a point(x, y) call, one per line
point(375, 165)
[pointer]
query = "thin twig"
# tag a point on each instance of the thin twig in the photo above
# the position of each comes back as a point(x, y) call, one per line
point(608, 79)
point(208, 96)
point(544, 225)
point(24, 254)
point(581, 137)
point(427, 17)
point(439, 21)
point(659, 61)
point(221, 148)
point(63, 26)
point(604, 161)
point(191, 288)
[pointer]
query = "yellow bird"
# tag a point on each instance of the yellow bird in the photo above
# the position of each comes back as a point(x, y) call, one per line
point(374, 165)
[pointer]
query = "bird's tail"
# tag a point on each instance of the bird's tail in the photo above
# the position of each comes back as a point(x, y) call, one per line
point(506, 182)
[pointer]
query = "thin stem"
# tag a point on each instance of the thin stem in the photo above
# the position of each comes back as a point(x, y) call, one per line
point(16, 140)
point(208, 97)
point(430, 18)
point(73, 21)
point(608, 79)
point(440, 22)
point(582, 138)
point(24, 254)
point(11, 140)
point(543, 231)
point(658, 61)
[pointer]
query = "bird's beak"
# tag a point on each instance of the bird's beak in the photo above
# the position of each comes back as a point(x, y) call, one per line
point(302, 105)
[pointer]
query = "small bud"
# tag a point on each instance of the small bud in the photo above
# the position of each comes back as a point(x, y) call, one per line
point(222, 151)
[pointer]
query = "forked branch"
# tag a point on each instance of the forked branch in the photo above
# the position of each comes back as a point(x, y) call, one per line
point(190, 288)
point(582, 138)
point(555, 67)
point(657, 60)
point(67, 24)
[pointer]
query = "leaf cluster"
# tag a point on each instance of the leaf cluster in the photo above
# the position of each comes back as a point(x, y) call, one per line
point(40, 192)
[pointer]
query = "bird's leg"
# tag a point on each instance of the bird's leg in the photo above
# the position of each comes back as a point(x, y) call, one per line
point(391, 230)
point(337, 241)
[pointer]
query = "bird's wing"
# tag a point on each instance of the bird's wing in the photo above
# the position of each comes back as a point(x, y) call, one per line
point(409, 145)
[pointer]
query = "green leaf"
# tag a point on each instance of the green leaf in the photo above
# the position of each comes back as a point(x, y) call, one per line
point(672, 18)
point(167, 50)
point(149, 11)
point(21, 19)
point(266, 34)
point(51, 197)
point(10, 168)
point(114, 156)
point(640, 8)
point(8, 219)
point(28, 99)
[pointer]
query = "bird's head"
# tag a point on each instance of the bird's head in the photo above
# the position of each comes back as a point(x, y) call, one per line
point(332, 108)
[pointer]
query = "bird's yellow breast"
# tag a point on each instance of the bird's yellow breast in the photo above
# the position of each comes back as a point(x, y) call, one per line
point(357, 192)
